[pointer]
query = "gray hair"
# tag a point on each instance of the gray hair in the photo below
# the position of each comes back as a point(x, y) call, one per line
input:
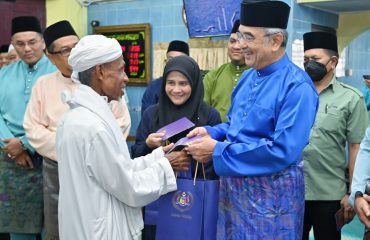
point(85, 76)
point(50, 48)
point(272, 31)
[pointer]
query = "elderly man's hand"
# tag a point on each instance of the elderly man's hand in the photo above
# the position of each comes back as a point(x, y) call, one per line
point(348, 210)
point(154, 140)
point(179, 160)
point(13, 147)
point(198, 131)
point(363, 210)
point(202, 149)
point(24, 160)
point(167, 148)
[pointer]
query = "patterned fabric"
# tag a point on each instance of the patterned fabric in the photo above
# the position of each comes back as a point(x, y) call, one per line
point(51, 193)
point(21, 205)
point(262, 208)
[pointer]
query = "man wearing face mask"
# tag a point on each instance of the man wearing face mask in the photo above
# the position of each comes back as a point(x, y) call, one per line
point(340, 120)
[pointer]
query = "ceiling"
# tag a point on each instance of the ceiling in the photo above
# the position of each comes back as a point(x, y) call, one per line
point(338, 6)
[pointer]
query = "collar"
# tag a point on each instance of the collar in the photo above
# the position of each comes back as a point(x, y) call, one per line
point(40, 62)
point(266, 71)
point(64, 79)
point(237, 68)
point(333, 85)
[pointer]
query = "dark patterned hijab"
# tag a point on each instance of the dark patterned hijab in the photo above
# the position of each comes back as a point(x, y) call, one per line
point(194, 108)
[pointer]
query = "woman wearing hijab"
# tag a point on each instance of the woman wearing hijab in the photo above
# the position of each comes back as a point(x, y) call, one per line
point(181, 96)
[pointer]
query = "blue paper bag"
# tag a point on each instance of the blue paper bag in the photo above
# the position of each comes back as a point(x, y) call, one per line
point(190, 212)
point(151, 213)
point(180, 213)
point(210, 209)
point(151, 210)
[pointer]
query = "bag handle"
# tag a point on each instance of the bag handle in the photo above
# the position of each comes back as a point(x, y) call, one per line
point(196, 172)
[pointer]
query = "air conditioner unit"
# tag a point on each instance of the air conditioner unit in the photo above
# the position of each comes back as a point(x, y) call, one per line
point(86, 3)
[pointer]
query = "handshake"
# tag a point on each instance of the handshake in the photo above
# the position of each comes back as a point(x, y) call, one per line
point(178, 157)
point(178, 153)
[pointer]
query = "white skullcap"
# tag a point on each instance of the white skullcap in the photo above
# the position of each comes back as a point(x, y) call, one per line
point(11, 47)
point(93, 50)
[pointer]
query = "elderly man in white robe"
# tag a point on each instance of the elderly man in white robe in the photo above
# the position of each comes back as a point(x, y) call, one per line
point(101, 188)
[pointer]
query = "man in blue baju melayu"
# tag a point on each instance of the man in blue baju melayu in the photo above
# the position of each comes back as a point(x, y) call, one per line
point(258, 150)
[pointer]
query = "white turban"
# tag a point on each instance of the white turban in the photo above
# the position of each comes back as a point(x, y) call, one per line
point(93, 50)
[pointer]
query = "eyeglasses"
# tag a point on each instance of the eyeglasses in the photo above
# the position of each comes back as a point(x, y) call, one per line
point(30, 43)
point(64, 52)
point(250, 38)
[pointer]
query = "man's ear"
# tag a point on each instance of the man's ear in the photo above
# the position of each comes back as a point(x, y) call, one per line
point(43, 44)
point(335, 61)
point(277, 41)
point(99, 69)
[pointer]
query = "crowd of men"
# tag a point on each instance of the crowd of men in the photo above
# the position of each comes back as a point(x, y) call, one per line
point(280, 151)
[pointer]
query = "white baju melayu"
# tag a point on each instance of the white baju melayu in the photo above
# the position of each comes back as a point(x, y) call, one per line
point(101, 188)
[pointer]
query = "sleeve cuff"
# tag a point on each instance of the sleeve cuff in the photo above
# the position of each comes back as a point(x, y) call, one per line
point(218, 162)
point(170, 183)
point(27, 145)
point(211, 132)
point(158, 153)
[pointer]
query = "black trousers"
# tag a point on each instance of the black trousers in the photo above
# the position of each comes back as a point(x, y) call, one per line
point(320, 216)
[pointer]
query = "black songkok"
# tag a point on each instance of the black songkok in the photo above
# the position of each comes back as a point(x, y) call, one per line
point(4, 48)
point(236, 26)
point(25, 24)
point(178, 46)
point(58, 30)
point(323, 40)
point(266, 14)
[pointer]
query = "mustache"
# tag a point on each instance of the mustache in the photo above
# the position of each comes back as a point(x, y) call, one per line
point(245, 51)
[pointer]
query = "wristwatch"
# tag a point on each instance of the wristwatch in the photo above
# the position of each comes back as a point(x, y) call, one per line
point(358, 194)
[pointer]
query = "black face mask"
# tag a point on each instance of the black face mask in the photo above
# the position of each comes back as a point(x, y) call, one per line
point(315, 70)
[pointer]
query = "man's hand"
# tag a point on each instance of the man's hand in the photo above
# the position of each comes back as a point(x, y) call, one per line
point(348, 210)
point(179, 160)
point(13, 147)
point(154, 140)
point(198, 131)
point(24, 160)
point(363, 210)
point(202, 149)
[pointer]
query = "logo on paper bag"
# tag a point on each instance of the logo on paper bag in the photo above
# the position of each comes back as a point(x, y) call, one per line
point(182, 201)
